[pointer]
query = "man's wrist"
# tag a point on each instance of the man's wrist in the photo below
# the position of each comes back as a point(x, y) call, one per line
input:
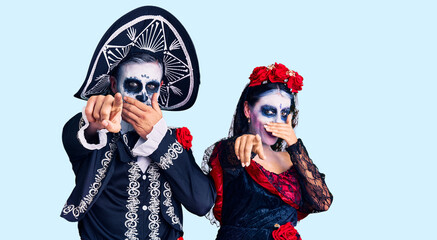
point(146, 146)
point(90, 136)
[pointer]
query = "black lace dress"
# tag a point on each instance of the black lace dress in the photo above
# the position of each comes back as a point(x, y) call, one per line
point(253, 203)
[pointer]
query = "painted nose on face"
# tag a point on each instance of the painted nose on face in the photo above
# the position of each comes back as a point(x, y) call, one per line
point(279, 119)
point(142, 97)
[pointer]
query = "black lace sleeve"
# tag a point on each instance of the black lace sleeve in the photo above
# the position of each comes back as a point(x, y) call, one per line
point(315, 193)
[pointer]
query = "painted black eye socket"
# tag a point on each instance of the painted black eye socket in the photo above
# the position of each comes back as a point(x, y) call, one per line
point(268, 111)
point(132, 85)
point(152, 87)
point(284, 113)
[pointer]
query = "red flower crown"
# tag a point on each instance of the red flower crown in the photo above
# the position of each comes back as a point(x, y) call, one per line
point(276, 73)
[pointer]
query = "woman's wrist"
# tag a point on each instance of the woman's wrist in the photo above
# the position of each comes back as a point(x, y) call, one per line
point(292, 140)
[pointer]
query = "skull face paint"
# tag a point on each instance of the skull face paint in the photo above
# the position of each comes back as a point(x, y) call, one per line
point(272, 106)
point(139, 80)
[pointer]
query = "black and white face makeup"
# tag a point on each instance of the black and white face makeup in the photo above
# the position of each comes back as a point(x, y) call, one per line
point(139, 80)
point(272, 106)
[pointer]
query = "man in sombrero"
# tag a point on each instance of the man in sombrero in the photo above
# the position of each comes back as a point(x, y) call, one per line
point(133, 173)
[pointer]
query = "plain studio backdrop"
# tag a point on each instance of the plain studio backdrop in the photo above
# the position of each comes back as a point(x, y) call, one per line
point(367, 114)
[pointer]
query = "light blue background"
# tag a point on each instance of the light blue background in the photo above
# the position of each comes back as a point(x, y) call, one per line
point(367, 109)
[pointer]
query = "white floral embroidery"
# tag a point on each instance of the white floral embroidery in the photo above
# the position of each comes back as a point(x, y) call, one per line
point(174, 150)
point(167, 203)
point(133, 191)
point(81, 122)
point(126, 141)
point(154, 201)
point(94, 188)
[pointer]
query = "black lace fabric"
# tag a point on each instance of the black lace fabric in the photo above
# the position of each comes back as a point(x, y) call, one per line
point(227, 153)
point(315, 193)
point(228, 150)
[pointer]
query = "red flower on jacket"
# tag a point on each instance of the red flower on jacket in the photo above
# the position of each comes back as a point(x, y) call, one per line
point(286, 232)
point(184, 137)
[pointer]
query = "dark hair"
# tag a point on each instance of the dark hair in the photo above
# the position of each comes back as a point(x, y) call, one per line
point(138, 57)
point(252, 95)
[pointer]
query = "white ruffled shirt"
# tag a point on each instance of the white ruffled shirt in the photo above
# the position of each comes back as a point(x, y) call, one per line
point(142, 149)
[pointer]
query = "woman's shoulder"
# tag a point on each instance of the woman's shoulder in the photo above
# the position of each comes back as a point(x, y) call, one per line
point(220, 145)
point(223, 151)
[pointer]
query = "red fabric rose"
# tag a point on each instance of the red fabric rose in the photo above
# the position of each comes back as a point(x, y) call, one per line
point(184, 137)
point(295, 82)
point(259, 74)
point(286, 232)
point(279, 73)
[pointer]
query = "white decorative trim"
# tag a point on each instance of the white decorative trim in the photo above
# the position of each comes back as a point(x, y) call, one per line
point(131, 222)
point(131, 33)
point(205, 161)
point(174, 45)
point(103, 139)
point(174, 150)
point(151, 40)
point(154, 220)
point(167, 203)
point(126, 142)
point(81, 123)
point(94, 187)
point(210, 216)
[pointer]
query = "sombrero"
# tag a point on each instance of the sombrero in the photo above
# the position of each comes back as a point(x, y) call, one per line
point(155, 31)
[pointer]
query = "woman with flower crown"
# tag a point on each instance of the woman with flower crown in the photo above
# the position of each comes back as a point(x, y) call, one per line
point(264, 178)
